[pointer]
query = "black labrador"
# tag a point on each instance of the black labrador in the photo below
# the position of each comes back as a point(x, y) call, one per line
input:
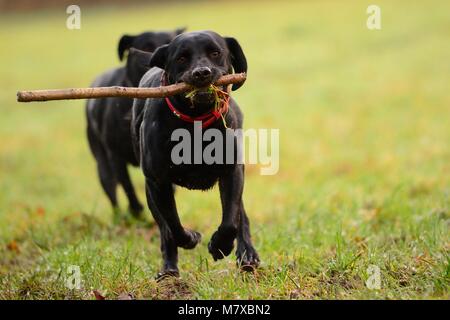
point(108, 119)
point(199, 59)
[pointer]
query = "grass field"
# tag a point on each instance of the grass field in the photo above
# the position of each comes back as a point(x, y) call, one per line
point(364, 119)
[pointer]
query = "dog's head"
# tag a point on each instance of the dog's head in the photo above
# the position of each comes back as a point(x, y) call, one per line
point(200, 58)
point(147, 41)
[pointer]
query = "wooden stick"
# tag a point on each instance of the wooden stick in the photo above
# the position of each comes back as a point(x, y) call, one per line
point(129, 92)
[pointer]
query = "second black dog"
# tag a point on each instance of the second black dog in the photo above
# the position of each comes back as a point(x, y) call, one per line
point(108, 119)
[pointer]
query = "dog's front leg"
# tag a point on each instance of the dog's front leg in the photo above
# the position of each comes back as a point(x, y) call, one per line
point(247, 257)
point(231, 187)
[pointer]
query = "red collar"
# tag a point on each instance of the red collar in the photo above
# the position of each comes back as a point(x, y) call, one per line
point(207, 118)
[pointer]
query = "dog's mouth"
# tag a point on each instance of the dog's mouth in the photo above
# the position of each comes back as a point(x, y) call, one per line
point(203, 95)
point(210, 95)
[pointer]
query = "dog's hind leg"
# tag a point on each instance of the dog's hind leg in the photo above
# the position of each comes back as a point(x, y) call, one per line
point(121, 172)
point(247, 257)
point(169, 248)
point(162, 205)
point(105, 172)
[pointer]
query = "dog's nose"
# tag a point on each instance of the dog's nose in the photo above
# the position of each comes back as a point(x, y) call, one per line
point(201, 73)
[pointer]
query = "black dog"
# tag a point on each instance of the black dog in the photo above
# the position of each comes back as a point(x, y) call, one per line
point(199, 59)
point(108, 120)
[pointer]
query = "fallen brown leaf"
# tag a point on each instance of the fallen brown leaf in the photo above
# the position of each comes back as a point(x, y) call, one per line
point(13, 246)
point(98, 295)
point(40, 211)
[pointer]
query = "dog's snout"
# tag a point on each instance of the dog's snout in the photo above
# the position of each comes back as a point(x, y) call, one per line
point(201, 73)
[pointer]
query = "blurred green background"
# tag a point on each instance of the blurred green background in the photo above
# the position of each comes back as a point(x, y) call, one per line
point(364, 119)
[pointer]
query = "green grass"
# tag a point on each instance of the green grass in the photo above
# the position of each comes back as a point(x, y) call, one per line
point(364, 177)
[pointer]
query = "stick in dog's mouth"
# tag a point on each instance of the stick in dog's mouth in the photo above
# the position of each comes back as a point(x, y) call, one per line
point(129, 92)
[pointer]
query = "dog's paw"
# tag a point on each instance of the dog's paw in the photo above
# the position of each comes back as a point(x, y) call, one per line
point(247, 258)
point(167, 273)
point(190, 240)
point(222, 243)
point(136, 210)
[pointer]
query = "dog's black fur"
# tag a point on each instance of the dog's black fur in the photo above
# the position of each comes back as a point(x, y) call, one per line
point(146, 41)
point(108, 119)
point(197, 58)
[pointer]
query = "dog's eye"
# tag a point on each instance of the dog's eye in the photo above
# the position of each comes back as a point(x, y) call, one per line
point(181, 59)
point(215, 54)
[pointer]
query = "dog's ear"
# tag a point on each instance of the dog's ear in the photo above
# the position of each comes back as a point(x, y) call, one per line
point(180, 30)
point(125, 43)
point(140, 57)
point(159, 57)
point(238, 60)
point(138, 63)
